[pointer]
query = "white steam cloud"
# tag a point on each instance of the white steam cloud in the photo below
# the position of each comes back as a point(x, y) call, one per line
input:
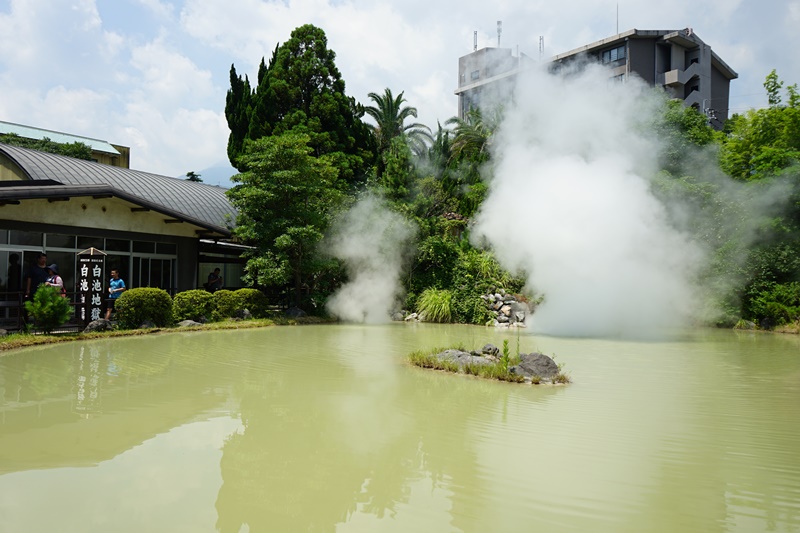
point(374, 243)
point(570, 205)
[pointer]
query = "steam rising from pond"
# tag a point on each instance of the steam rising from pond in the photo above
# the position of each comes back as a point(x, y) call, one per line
point(374, 243)
point(570, 206)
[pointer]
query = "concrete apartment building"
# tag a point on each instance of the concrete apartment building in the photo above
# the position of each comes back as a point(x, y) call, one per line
point(676, 60)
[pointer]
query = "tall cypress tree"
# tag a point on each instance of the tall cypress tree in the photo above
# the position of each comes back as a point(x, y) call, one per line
point(238, 105)
point(302, 91)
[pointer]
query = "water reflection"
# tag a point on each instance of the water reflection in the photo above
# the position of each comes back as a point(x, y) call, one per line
point(327, 429)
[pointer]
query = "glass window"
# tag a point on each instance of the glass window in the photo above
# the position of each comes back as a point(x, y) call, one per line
point(55, 240)
point(118, 245)
point(3, 236)
point(121, 263)
point(84, 243)
point(166, 248)
point(137, 272)
point(155, 274)
point(615, 54)
point(475, 74)
point(144, 247)
point(27, 238)
point(168, 274)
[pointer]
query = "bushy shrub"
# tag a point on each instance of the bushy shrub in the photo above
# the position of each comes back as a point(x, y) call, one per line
point(254, 301)
point(49, 308)
point(776, 304)
point(436, 305)
point(227, 304)
point(135, 306)
point(477, 273)
point(196, 304)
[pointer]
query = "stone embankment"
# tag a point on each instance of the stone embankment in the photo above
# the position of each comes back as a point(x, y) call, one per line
point(507, 311)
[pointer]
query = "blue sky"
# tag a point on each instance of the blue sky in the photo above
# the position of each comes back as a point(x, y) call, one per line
point(152, 74)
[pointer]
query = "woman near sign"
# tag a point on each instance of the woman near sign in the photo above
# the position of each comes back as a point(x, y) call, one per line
point(54, 280)
point(115, 289)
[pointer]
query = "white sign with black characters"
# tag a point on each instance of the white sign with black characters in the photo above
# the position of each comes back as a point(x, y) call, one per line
point(90, 286)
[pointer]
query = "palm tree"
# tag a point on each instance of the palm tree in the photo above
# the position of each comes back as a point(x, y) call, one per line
point(472, 137)
point(390, 116)
point(469, 152)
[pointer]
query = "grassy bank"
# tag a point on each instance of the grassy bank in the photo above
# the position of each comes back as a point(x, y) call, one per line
point(22, 340)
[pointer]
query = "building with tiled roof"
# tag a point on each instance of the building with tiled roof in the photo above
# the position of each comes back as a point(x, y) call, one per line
point(157, 230)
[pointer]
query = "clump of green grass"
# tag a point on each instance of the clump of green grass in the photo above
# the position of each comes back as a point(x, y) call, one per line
point(426, 359)
point(436, 305)
point(562, 378)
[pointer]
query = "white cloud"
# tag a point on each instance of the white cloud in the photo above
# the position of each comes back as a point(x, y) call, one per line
point(170, 60)
point(170, 77)
point(158, 8)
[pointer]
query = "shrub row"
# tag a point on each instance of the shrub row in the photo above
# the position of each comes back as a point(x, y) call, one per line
point(137, 306)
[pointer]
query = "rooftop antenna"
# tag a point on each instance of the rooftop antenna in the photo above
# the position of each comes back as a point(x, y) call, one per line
point(617, 18)
point(541, 46)
point(474, 41)
point(499, 31)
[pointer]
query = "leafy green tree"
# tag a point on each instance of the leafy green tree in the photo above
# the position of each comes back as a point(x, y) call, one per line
point(301, 91)
point(680, 130)
point(390, 117)
point(764, 142)
point(470, 153)
point(284, 201)
point(193, 176)
point(49, 308)
point(399, 172)
point(78, 150)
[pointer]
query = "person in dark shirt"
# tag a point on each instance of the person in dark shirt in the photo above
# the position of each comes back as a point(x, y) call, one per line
point(36, 275)
point(214, 281)
point(14, 273)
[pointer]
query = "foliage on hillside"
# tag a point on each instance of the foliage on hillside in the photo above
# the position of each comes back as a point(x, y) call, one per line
point(301, 151)
point(78, 150)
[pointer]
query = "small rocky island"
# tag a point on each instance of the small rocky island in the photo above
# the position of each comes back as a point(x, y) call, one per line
point(489, 362)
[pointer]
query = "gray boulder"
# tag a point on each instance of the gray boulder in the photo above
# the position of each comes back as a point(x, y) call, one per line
point(3, 333)
point(244, 314)
point(535, 364)
point(463, 358)
point(295, 312)
point(147, 324)
point(188, 324)
point(490, 349)
point(101, 324)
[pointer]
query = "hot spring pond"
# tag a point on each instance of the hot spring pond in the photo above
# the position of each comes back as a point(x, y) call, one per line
point(328, 428)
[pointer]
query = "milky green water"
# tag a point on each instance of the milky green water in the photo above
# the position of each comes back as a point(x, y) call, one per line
point(326, 428)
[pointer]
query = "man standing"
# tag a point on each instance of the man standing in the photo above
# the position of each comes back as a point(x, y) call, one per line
point(214, 281)
point(36, 275)
point(115, 289)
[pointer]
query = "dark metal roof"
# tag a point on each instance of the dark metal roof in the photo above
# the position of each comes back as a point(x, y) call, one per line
point(198, 203)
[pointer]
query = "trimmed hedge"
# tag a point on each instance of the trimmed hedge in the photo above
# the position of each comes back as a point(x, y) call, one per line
point(254, 301)
point(196, 304)
point(227, 304)
point(135, 306)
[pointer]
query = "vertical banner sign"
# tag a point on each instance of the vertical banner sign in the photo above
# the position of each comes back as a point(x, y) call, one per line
point(91, 264)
